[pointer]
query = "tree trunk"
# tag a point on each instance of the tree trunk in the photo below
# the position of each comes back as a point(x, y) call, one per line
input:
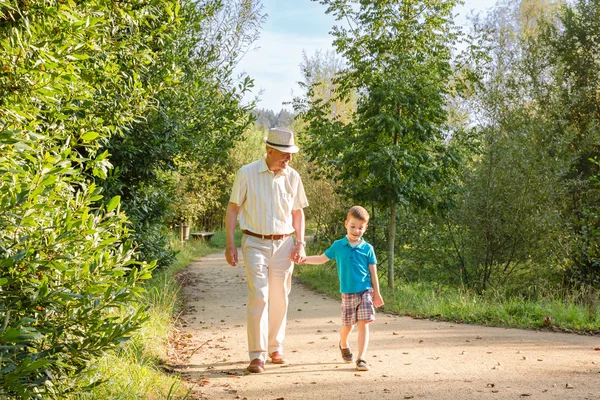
point(391, 242)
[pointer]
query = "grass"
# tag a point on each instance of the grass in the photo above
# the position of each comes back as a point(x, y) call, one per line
point(567, 312)
point(135, 371)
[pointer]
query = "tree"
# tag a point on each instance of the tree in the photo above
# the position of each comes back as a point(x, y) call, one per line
point(398, 63)
point(197, 117)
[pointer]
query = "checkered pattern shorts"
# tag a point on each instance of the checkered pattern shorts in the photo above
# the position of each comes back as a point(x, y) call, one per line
point(357, 307)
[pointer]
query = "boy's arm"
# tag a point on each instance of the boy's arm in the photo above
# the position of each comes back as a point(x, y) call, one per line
point(377, 299)
point(322, 259)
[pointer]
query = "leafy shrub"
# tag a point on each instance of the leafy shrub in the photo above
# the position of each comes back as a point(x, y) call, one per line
point(64, 268)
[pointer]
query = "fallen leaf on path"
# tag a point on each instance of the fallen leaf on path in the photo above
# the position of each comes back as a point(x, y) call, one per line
point(405, 352)
point(421, 341)
point(409, 397)
point(597, 348)
point(299, 309)
point(525, 394)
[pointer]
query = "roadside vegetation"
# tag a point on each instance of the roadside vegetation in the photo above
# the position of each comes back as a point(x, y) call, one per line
point(137, 370)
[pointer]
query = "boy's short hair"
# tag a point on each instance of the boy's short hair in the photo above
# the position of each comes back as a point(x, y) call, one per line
point(359, 213)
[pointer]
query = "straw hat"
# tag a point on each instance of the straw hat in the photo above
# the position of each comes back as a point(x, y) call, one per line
point(281, 139)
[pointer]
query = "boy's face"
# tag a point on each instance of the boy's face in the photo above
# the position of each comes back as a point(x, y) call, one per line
point(355, 227)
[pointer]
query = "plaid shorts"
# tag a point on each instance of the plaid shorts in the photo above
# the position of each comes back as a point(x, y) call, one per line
point(357, 307)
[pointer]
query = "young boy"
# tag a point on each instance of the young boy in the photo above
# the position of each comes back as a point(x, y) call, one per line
point(359, 284)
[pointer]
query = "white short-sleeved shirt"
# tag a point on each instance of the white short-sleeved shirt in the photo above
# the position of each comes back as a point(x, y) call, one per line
point(266, 200)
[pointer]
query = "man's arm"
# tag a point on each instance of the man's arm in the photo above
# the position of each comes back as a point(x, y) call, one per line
point(231, 253)
point(377, 299)
point(298, 253)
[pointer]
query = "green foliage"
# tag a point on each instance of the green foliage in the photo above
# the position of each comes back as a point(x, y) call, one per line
point(135, 370)
point(170, 163)
point(70, 78)
point(64, 268)
point(391, 150)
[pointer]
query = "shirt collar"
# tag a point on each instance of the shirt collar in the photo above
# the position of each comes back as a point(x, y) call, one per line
point(265, 168)
point(347, 243)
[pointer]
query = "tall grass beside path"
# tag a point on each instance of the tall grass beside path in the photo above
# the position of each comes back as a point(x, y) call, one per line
point(135, 371)
point(575, 312)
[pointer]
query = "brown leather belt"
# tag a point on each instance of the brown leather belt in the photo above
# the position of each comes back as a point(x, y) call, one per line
point(270, 237)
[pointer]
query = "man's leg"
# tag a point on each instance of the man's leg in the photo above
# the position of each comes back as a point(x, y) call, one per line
point(256, 254)
point(280, 285)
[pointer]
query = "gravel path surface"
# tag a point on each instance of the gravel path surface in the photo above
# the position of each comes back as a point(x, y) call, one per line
point(409, 358)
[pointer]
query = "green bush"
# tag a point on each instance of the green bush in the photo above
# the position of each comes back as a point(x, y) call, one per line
point(64, 268)
point(69, 79)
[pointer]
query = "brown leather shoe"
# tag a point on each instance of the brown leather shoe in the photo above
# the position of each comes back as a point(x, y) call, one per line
point(256, 366)
point(277, 358)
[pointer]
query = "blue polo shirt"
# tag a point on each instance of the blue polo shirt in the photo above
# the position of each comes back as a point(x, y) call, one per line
point(352, 264)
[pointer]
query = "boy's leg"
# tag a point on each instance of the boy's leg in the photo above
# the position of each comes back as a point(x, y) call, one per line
point(344, 333)
point(363, 338)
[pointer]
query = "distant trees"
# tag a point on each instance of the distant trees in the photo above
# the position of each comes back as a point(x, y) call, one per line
point(268, 119)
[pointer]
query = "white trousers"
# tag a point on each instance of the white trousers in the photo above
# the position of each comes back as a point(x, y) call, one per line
point(269, 277)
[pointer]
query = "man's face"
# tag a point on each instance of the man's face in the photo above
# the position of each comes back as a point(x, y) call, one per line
point(277, 160)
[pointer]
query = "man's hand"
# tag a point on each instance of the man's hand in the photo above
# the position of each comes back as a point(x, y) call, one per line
point(298, 254)
point(231, 254)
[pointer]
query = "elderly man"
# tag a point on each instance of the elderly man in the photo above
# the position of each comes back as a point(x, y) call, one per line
point(269, 197)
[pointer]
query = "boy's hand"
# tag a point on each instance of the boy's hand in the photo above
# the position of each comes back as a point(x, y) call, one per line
point(377, 300)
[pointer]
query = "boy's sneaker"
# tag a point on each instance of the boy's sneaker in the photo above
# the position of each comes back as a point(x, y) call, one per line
point(362, 365)
point(346, 354)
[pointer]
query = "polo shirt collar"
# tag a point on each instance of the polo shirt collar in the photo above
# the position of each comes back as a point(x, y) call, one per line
point(347, 243)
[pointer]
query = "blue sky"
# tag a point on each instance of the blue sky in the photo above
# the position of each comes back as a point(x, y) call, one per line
point(294, 26)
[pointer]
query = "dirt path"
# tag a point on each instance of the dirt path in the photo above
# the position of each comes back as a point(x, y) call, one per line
point(410, 358)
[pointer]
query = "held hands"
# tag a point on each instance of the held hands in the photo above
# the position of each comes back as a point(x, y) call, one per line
point(298, 255)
